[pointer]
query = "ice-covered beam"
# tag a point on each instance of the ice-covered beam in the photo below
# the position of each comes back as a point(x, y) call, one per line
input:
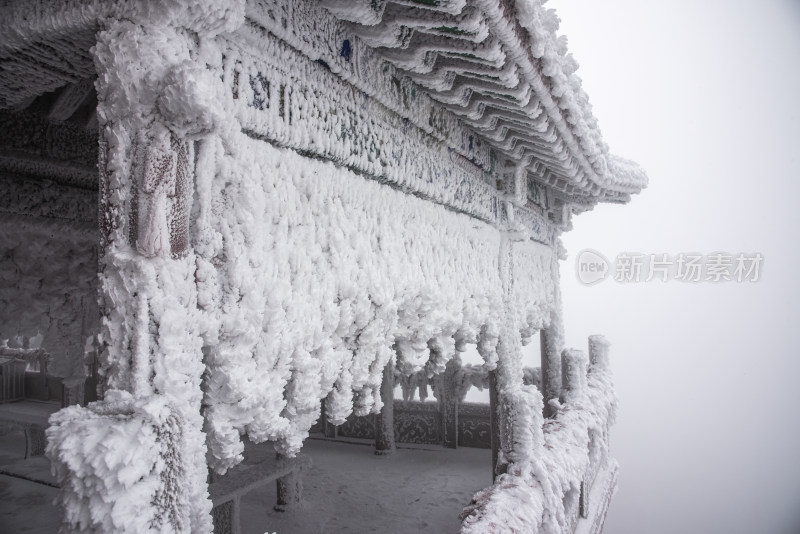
point(71, 99)
point(492, 63)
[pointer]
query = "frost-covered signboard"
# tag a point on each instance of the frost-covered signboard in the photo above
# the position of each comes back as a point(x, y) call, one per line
point(297, 200)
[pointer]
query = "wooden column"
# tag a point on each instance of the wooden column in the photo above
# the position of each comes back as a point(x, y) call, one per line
point(551, 366)
point(516, 409)
point(598, 351)
point(73, 394)
point(384, 421)
point(494, 406)
point(552, 340)
point(328, 429)
point(494, 422)
point(290, 487)
point(448, 403)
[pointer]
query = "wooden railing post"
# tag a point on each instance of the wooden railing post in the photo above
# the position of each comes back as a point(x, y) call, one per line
point(384, 421)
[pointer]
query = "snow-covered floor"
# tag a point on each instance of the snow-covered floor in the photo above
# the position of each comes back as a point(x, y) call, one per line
point(25, 507)
point(347, 489)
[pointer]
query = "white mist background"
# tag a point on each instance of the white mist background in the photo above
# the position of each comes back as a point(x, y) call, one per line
point(706, 97)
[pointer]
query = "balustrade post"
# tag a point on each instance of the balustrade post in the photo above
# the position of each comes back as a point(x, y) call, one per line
point(574, 368)
point(598, 351)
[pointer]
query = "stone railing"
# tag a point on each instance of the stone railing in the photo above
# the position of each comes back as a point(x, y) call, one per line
point(419, 423)
point(425, 423)
point(564, 484)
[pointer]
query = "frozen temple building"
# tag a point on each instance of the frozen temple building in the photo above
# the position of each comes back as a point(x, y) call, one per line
point(230, 221)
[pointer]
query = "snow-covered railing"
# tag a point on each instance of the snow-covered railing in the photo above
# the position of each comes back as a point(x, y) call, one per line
point(468, 376)
point(546, 490)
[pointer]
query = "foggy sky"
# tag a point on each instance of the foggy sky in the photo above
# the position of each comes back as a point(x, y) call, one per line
point(705, 96)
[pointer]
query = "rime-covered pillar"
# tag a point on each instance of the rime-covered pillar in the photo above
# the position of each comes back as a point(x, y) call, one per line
point(516, 409)
point(150, 324)
point(448, 399)
point(158, 92)
point(384, 420)
point(494, 405)
point(328, 428)
point(552, 343)
point(289, 487)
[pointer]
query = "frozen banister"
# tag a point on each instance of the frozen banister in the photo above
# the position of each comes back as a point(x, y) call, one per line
point(598, 351)
point(573, 371)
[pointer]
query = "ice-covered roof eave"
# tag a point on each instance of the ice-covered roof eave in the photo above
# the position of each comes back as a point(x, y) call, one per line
point(517, 41)
point(521, 38)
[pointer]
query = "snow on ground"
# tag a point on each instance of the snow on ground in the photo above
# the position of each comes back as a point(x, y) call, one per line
point(24, 506)
point(347, 489)
point(350, 489)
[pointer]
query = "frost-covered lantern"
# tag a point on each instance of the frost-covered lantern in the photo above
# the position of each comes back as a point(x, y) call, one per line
point(12, 379)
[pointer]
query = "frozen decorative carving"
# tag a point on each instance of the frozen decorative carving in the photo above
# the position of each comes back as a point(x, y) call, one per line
point(162, 195)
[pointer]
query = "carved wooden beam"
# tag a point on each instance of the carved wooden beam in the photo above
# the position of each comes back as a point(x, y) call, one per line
point(71, 98)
